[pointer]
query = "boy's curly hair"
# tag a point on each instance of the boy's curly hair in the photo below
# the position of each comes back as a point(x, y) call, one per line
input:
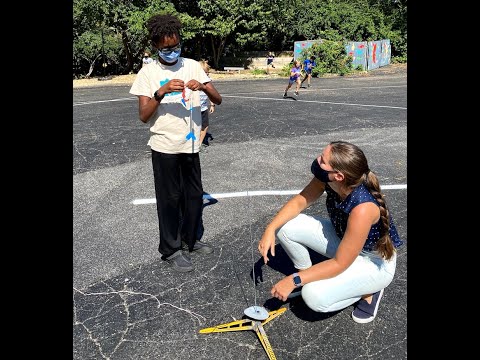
point(160, 26)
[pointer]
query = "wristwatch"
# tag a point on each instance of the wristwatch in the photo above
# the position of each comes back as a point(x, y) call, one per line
point(296, 280)
point(157, 97)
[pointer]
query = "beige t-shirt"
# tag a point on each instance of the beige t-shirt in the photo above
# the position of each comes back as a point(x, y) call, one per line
point(172, 122)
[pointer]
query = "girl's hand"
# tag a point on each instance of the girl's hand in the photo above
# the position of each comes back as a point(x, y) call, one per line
point(283, 288)
point(267, 242)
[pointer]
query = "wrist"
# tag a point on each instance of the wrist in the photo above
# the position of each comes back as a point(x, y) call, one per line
point(157, 96)
point(297, 281)
point(270, 229)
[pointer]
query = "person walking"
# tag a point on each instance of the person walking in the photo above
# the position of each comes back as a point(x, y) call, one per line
point(270, 59)
point(168, 92)
point(359, 238)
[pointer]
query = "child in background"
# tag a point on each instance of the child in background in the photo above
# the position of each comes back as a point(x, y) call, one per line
point(295, 74)
point(308, 65)
point(207, 107)
point(270, 61)
point(147, 59)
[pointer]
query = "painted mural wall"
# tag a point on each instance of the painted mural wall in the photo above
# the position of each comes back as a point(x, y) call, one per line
point(358, 51)
point(298, 46)
point(370, 55)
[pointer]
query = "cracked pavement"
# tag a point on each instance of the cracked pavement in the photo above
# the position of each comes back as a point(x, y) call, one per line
point(128, 304)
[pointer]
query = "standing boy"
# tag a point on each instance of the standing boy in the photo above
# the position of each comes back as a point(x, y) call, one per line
point(175, 122)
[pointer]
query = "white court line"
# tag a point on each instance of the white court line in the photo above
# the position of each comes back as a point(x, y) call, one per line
point(254, 193)
point(317, 102)
point(326, 89)
point(260, 98)
point(269, 92)
point(103, 101)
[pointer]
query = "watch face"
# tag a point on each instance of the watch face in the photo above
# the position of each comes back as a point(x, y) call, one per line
point(297, 280)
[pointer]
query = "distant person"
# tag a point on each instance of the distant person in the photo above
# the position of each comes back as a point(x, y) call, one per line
point(359, 237)
point(295, 74)
point(270, 59)
point(207, 107)
point(174, 120)
point(307, 66)
point(146, 59)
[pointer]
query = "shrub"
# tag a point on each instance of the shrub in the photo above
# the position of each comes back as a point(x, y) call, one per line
point(259, 72)
point(331, 58)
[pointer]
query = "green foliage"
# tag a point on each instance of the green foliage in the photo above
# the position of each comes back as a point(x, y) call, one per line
point(331, 58)
point(88, 51)
point(285, 71)
point(215, 29)
point(233, 25)
point(339, 20)
point(125, 35)
point(398, 59)
point(259, 72)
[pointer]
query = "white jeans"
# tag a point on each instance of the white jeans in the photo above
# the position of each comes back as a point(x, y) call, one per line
point(368, 274)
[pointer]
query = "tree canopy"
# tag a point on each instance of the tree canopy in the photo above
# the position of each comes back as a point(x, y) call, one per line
point(109, 36)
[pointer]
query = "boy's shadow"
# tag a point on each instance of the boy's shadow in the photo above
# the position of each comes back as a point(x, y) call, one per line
point(281, 262)
point(290, 97)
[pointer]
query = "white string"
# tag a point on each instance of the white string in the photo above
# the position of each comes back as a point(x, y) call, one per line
point(253, 261)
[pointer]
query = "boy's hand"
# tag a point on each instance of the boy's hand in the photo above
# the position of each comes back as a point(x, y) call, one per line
point(195, 85)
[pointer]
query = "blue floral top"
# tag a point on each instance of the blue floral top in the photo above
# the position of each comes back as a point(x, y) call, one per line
point(339, 212)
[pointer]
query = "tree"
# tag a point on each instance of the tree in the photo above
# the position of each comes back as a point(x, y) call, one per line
point(237, 21)
point(215, 28)
point(125, 18)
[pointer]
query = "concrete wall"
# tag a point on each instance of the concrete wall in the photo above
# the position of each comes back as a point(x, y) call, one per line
point(261, 62)
point(257, 60)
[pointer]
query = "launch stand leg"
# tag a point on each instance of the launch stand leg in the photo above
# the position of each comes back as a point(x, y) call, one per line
point(249, 324)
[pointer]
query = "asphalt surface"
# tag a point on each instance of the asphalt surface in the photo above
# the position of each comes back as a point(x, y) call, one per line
point(128, 304)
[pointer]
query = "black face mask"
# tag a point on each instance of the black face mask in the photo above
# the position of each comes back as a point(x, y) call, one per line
point(319, 173)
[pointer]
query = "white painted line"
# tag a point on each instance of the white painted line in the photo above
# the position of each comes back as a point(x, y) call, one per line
point(314, 101)
point(277, 99)
point(254, 193)
point(314, 90)
point(103, 101)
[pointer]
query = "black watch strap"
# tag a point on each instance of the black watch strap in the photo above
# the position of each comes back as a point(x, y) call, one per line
point(157, 97)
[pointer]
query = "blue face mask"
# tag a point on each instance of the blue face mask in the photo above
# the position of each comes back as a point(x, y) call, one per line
point(319, 173)
point(171, 57)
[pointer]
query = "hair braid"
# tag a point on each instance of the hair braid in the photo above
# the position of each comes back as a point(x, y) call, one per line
point(384, 245)
point(351, 161)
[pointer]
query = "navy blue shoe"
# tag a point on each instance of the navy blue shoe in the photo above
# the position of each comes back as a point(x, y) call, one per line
point(365, 312)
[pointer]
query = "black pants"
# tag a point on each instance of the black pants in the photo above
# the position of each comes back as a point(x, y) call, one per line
point(179, 191)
